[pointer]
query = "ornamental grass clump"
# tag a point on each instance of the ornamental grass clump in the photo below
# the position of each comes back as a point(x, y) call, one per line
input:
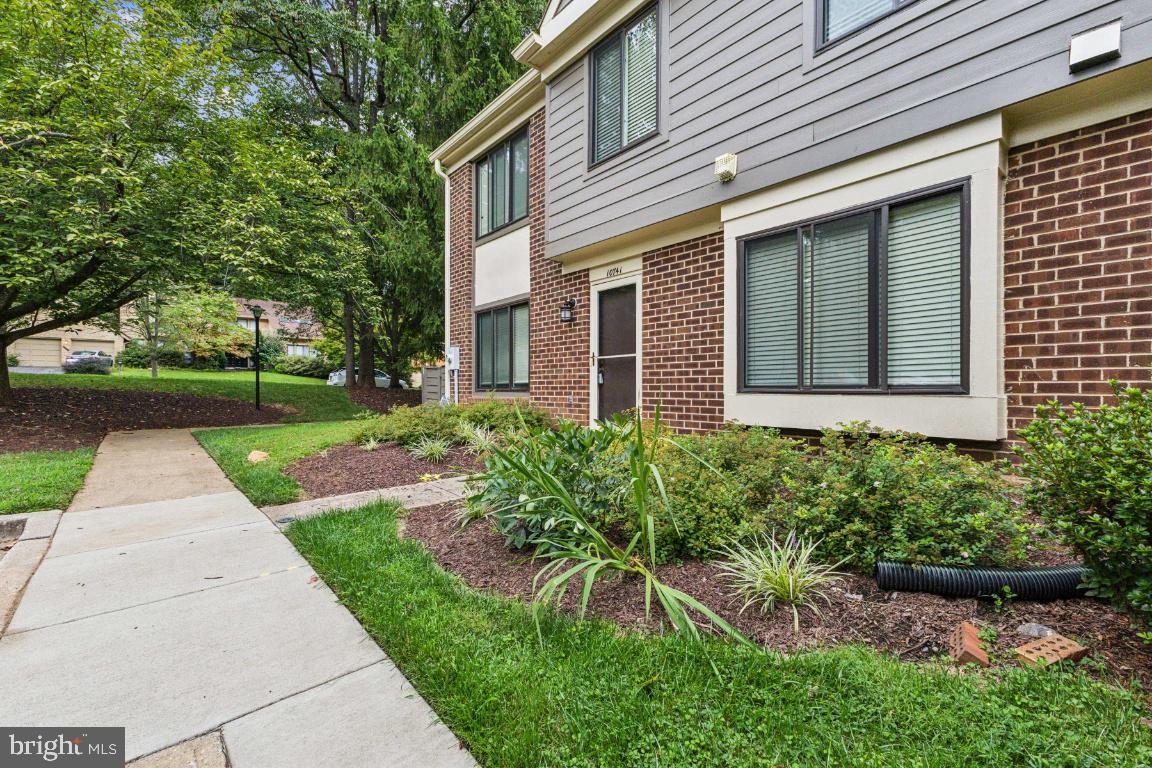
point(1091, 481)
point(767, 572)
point(579, 552)
point(433, 449)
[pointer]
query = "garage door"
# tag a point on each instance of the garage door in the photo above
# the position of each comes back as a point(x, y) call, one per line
point(107, 347)
point(40, 353)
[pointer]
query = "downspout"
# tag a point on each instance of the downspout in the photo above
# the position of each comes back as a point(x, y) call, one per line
point(439, 170)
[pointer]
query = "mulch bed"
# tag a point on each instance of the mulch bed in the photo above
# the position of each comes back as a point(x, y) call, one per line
point(58, 418)
point(909, 625)
point(383, 400)
point(350, 469)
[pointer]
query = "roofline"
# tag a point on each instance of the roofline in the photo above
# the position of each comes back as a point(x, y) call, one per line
point(515, 104)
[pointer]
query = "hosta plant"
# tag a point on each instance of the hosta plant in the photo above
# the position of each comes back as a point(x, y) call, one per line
point(768, 572)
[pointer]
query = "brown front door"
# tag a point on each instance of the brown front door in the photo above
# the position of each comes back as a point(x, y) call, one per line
point(616, 359)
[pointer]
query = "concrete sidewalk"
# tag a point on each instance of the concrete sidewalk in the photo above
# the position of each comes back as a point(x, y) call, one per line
point(170, 605)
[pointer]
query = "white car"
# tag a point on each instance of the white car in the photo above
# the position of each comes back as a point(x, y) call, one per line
point(383, 380)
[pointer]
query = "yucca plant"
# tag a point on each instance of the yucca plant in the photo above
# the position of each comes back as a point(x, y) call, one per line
point(585, 553)
point(768, 572)
point(432, 449)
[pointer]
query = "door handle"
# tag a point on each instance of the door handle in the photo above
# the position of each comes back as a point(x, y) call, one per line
point(599, 375)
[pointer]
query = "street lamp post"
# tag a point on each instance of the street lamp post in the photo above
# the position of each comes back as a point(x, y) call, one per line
point(256, 312)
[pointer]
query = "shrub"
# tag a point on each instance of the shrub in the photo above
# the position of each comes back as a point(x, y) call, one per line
point(90, 365)
point(407, 424)
point(753, 466)
point(13, 359)
point(893, 496)
point(432, 449)
point(133, 356)
point(302, 365)
point(1091, 473)
point(767, 572)
point(504, 415)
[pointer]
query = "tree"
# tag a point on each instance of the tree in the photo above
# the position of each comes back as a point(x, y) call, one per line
point(142, 322)
point(204, 324)
point(130, 159)
point(381, 82)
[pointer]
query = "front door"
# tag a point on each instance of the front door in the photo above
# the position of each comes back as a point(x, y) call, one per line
point(616, 358)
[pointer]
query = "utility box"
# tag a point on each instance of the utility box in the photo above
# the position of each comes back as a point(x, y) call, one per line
point(453, 359)
point(432, 385)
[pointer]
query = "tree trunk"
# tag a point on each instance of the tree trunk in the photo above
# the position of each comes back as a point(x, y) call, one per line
point(6, 396)
point(367, 356)
point(349, 343)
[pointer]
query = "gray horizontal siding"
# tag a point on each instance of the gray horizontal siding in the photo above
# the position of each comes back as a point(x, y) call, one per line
point(738, 78)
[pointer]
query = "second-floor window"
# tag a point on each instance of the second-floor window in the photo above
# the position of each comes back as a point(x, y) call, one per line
point(872, 301)
point(842, 17)
point(502, 185)
point(624, 87)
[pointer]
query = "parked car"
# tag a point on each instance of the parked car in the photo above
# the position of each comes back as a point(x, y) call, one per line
point(103, 358)
point(383, 380)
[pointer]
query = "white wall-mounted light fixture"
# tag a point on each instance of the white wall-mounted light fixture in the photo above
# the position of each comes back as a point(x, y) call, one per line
point(1094, 46)
point(725, 168)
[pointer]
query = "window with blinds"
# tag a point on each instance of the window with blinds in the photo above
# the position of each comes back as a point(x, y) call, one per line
point(502, 185)
point(842, 17)
point(502, 348)
point(872, 301)
point(624, 87)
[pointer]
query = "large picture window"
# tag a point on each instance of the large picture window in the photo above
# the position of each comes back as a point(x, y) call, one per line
point(838, 18)
point(873, 300)
point(624, 87)
point(502, 348)
point(502, 185)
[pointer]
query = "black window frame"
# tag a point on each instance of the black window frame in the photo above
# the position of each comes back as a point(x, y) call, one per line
point(877, 305)
point(505, 145)
point(616, 37)
point(821, 18)
point(492, 310)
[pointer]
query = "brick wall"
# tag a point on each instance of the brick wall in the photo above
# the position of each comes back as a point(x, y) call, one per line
point(558, 352)
point(683, 333)
point(1078, 265)
point(460, 277)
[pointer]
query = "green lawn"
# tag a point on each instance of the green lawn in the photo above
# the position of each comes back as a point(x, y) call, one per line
point(312, 398)
point(38, 480)
point(591, 695)
point(264, 482)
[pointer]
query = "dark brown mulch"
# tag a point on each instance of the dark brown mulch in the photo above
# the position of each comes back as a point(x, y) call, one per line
point(909, 625)
point(349, 469)
point(383, 400)
point(58, 418)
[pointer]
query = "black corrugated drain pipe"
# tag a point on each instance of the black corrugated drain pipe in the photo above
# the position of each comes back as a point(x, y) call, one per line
point(1024, 583)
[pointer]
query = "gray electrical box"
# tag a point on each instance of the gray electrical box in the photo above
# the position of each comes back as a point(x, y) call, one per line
point(453, 358)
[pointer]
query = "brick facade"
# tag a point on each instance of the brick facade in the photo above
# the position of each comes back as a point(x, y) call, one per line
point(1078, 266)
point(460, 277)
point(558, 354)
point(683, 333)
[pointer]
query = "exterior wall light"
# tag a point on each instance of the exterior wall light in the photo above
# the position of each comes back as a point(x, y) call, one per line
point(566, 309)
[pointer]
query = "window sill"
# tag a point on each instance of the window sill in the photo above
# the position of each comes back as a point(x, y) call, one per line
point(496, 234)
point(624, 156)
point(502, 394)
point(957, 417)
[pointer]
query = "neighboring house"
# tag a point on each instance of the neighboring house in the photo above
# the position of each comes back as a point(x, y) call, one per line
point(49, 348)
point(941, 213)
point(298, 330)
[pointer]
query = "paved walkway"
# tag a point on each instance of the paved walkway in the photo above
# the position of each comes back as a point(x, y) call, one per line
point(170, 605)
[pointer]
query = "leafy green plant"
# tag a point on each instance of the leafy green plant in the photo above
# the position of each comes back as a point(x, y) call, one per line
point(433, 449)
point(89, 365)
point(371, 444)
point(767, 572)
point(13, 359)
point(591, 464)
point(755, 466)
point(894, 496)
point(312, 366)
point(1091, 473)
point(478, 440)
point(503, 415)
point(406, 425)
point(585, 553)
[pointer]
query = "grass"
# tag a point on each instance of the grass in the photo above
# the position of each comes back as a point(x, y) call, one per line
point(591, 695)
point(311, 398)
point(38, 480)
point(265, 483)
